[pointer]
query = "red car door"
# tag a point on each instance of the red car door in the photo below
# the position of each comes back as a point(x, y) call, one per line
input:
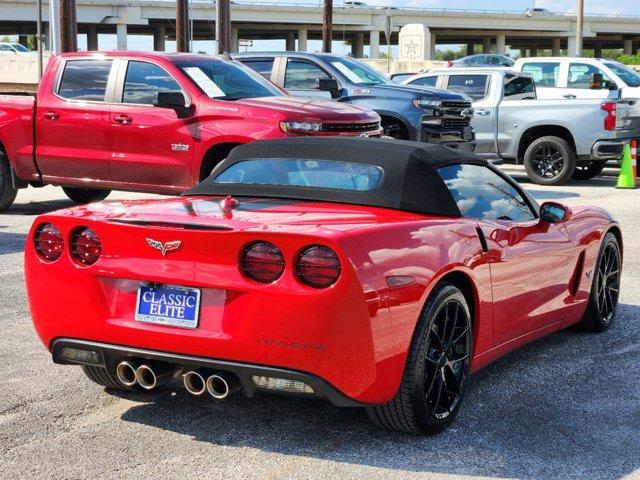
point(72, 123)
point(531, 262)
point(152, 148)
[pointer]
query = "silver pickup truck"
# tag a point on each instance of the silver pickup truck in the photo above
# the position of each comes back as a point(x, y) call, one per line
point(555, 139)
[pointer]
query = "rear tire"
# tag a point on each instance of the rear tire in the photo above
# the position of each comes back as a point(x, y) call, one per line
point(549, 161)
point(102, 377)
point(85, 195)
point(588, 170)
point(435, 374)
point(7, 192)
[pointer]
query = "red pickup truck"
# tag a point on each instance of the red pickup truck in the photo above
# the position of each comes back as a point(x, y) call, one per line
point(149, 122)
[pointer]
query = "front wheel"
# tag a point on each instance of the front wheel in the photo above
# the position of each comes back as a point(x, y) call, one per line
point(7, 192)
point(85, 195)
point(549, 161)
point(435, 375)
point(588, 170)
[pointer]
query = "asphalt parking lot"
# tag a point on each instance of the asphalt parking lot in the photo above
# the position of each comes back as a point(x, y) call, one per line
point(567, 406)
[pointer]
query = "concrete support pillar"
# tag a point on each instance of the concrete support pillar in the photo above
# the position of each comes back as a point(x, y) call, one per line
point(374, 44)
point(121, 33)
point(92, 38)
point(572, 46)
point(432, 47)
point(555, 47)
point(628, 47)
point(471, 48)
point(302, 40)
point(290, 42)
point(233, 48)
point(159, 37)
point(597, 50)
point(357, 45)
point(486, 45)
point(501, 44)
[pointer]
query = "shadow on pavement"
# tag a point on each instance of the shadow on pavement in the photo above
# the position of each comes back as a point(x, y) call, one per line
point(11, 242)
point(38, 208)
point(566, 406)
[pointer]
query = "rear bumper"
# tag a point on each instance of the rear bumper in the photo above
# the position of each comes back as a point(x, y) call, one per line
point(608, 149)
point(110, 355)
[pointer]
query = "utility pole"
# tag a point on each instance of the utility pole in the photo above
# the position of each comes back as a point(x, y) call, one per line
point(39, 38)
point(327, 25)
point(223, 26)
point(182, 25)
point(68, 26)
point(579, 23)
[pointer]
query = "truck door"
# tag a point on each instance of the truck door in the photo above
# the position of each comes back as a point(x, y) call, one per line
point(72, 123)
point(548, 76)
point(579, 84)
point(152, 148)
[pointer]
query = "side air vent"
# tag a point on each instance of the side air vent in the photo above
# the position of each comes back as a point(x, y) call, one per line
point(574, 285)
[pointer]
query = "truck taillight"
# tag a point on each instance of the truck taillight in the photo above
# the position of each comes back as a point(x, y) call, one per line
point(262, 262)
point(85, 246)
point(610, 119)
point(49, 242)
point(318, 266)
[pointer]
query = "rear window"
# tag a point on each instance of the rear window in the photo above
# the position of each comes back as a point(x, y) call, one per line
point(296, 172)
point(85, 80)
point(474, 86)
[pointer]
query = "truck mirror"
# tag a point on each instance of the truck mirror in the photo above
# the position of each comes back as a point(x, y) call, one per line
point(172, 100)
point(327, 85)
point(596, 81)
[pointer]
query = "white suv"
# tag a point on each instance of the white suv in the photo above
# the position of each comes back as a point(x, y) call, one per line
point(576, 77)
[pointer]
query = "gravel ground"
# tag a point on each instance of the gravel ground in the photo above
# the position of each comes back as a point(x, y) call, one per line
point(567, 406)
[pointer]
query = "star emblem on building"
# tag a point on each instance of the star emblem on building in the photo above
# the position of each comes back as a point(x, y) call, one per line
point(411, 47)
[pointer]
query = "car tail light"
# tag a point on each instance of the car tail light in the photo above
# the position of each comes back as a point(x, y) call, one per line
point(318, 266)
point(262, 262)
point(85, 246)
point(49, 242)
point(610, 119)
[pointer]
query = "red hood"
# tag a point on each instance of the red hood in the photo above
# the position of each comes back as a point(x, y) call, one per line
point(310, 109)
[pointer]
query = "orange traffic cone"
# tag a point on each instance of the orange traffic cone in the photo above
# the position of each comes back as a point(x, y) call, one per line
point(627, 178)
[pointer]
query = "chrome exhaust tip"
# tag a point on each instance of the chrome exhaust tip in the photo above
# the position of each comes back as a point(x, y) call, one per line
point(217, 387)
point(146, 377)
point(194, 382)
point(126, 374)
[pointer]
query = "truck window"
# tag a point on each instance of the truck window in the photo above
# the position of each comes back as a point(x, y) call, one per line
point(425, 81)
point(519, 88)
point(627, 74)
point(263, 66)
point(474, 86)
point(302, 75)
point(545, 74)
point(580, 75)
point(143, 80)
point(85, 80)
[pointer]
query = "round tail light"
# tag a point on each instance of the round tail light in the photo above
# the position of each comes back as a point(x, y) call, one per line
point(49, 242)
point(318, 266)
point(85, 246)
point(262, 262)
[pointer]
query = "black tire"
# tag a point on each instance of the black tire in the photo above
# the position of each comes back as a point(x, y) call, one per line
point(85, 195)
point(605, 289)
point(7, 192)
point(588, 170)
point(414, 409)
point(549, 161)
point(101, 376)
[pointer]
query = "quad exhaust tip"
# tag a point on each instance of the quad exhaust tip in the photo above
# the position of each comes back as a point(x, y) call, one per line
point(146, 377)
point(194, 383)
point(126, 374)
point(217, 387)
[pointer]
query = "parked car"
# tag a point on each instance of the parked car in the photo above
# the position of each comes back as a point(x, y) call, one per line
point(530, 12)
point(407, 113)
point(481, 60)
point(371, 273)
point(149, 122)
point(555, 139)
point(9, 48)
point(578, 77)
point(355, 4)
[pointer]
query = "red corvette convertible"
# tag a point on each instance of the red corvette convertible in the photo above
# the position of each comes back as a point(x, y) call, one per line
point(370, 273)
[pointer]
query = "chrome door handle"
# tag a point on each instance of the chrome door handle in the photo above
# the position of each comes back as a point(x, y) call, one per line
point(569, 95)
point(51, 115)
point(123, 119)
point(482, 112)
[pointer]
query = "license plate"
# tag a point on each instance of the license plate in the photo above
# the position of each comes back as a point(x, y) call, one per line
point(168, 305)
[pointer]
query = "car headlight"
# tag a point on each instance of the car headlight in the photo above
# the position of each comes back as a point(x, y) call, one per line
point(293, 126)
point(424, 103)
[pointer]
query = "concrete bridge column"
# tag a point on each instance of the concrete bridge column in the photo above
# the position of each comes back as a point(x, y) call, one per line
point(471, 48)
point(597, 50)
point(121, 34)
point(628, 47)
point(555, 47)
point(302, 40)
point(486, 45)
point(432, 47)
point(357, 45)
point(92, 38)
point(159, 37)
point(233, 48)
point(290, 42)
point(374, 44)
point(501, 44)
point(572, 45)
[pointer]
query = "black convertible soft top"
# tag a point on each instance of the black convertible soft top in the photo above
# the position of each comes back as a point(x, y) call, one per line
point(411, 181)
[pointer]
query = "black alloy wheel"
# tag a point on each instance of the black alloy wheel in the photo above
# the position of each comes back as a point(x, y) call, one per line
point(549, 160)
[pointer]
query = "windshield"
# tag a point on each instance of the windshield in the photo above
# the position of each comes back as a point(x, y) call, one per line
point(20, 48)
point(626, 74)
point(357, 72)
point(294, 172)
point(226, 80)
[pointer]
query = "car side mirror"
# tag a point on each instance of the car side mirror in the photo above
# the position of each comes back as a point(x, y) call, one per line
point(327, 85)
point(552, 212)
point(173, 100)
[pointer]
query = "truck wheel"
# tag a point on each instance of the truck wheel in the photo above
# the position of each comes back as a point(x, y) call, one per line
point(549, 161)
point(588, 170)
point(85, 195)
point(7, 192)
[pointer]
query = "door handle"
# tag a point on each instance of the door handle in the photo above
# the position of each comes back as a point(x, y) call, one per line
point(482, 112)
point(51, 115)
point(569, 95)
point(123, 119)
